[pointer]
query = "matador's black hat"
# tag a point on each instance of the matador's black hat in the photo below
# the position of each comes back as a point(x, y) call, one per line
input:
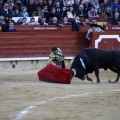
point(54, 48)
point(93, 25)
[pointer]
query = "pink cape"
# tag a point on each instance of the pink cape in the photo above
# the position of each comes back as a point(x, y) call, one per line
point(53, 74)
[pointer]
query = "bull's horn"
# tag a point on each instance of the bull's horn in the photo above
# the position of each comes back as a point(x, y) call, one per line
point(74, 72)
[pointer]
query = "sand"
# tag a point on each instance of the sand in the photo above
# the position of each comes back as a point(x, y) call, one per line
point(24, 97)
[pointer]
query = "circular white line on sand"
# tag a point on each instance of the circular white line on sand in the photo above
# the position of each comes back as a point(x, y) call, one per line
point(24, 112)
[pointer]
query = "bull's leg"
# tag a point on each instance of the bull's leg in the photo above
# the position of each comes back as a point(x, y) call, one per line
point(115, 69)
point(97, 75)
point(117, 79)
point(96, 68)
point(89, 79)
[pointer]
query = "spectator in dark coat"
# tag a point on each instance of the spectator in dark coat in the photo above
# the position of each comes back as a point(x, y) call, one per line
point(18, 5)
point(4, 27)
point(11, 27)
point(45, 13)
point(53, 13)
point(50, 5)
point(116, 9)
point(55, 22)
point(76, 24)
point(81, 12)
point(43, 21)
point(38, 13)
point(58, 10)
point(114, 4)
point(40, 4)
point(65, 21)
point(31, 7)
point(5, 11)
point(7, 21)
point(115, 19)
point(76, 5)
point(87, 6)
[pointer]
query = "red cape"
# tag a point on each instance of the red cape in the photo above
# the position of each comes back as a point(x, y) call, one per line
point(53, 74)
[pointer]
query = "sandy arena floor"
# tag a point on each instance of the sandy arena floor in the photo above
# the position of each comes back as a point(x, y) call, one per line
point(24, 97)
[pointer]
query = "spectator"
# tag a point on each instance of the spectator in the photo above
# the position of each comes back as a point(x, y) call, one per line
point(119, 23)
point(40, 4)
point(4, 27)
point(96, 5)
point(104, 5)
point(11, 4)
point(58, 10)
point(65, 21)
point(38, 13)
point(68, 3)
point(24, 12)
point(95, 22)
point(50, 5)
point(2, 20)
point(116, 9)
point(87, 22)
point(76, 5)
point(9, 20)
point(76, 24)
point(55, 22)
point(56, 57)
point(53, 13)
point(87, 6)
point(93, 28)
point(81, 12)
point(31, 7)
point(18, 5)
point(6, 11)
point(71, 13)
point(100, 13)
point(92, 13)
point(108, 13)
point(11, 27)
point(16, 12)
point(22, 22)
point(64, 12)
point(115, 19)
point(43, 21)
point(33, 22)
point(114, 4)
point(45, 13)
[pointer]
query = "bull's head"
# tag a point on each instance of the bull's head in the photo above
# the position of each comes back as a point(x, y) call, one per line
point(78, 68)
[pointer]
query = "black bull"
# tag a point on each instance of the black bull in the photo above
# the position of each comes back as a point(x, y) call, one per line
point(91, 59)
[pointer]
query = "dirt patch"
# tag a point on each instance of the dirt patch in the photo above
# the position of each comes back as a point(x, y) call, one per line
point(24, 97)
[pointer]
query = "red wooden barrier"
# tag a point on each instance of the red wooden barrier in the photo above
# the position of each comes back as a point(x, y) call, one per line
point(39, 44)
point(111, 27)
point(106, 40)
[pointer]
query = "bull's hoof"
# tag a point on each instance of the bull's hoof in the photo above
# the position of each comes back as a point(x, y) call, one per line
point(98, 82)
point(112, 81)
point(109, 81)
point(90, 80)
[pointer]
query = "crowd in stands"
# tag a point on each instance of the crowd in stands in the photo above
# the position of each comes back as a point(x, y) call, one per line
point(57, 10)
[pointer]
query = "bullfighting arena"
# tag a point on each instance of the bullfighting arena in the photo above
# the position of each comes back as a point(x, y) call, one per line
point(24, 97)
